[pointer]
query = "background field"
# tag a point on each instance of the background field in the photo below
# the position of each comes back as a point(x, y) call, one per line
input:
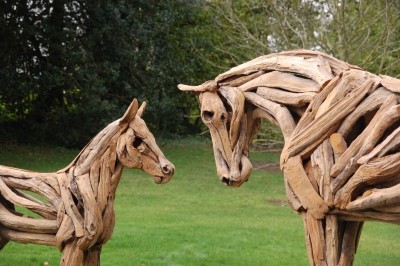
point(195, 220)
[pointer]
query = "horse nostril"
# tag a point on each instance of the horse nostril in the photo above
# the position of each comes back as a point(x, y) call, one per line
point(225, 180)
point(166, 169)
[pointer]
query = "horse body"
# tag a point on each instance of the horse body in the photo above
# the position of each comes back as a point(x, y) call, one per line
point(78, 217)
point(341, 158)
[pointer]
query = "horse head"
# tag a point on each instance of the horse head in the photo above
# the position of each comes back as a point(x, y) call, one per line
point(223, 112)
point(137, 147)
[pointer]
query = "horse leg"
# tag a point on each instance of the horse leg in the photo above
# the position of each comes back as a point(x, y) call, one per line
point(315, 240)
point(9, 206)
point(72, 255)
point(350, 240)
point(92, 256)
point(332, 240)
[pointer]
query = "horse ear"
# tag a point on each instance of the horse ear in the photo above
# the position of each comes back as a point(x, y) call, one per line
point(210, 85)
point(130, 113)
point(141, 109)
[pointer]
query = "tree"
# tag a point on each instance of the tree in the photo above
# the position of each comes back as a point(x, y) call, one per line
point(360, 32)
point(364, 33)
point(69, 67)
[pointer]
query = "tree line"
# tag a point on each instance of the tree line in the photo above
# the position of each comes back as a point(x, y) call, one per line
point(67, 68)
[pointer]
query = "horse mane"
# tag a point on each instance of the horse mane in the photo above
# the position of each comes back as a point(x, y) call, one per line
point(94, 148)
point(311, 64)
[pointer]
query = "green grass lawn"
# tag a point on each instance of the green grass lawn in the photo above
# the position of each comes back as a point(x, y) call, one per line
point(194, 219)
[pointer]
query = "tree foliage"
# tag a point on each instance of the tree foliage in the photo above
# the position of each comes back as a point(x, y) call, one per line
point(69, 67)
point(364, 33)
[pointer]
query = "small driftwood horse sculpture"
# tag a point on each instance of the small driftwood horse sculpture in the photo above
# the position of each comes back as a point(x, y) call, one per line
point(341, 158)
point(79, 215)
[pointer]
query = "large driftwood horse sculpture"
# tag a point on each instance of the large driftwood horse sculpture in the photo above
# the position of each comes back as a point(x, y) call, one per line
point(79, 215)
point(341, 158)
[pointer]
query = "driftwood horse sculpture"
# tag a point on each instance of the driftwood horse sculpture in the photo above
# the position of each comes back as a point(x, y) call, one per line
point(78, 217)
point(341, 158)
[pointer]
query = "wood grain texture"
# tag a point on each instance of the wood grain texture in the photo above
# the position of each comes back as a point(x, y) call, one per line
point(342, 141)
point(78, 217)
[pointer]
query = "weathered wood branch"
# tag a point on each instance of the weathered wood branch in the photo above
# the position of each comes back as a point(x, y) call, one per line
point(281, 80)
point(371, 103)
point(376, 198)
point(312, 135)
point(302, 188)
point(342, 139)
point(236, 100)
point(317, 69)
point(280, 113)
point(391, 143)
point(336, 65)
point(42, 209)
point(285, 97)
point(23, 237)
point(375, 171)
point(26, 224)
point(347, 163)
point(79, 215)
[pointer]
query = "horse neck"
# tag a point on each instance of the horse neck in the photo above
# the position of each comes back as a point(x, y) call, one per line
point(103, 172)
point(285, 115)
point(107, 171)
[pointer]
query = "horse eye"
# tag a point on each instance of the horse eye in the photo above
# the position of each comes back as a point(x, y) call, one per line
point(223, 118)
point(136, 143)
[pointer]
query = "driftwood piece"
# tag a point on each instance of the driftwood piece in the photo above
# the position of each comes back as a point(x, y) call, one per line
point(349, 81)
point(313, 107)
point(210, 86)
point(33, 185)
point(338, 145)
point(286, 98)
point(65, 232)
point(350, 242)
point(317, 69)
point(236, 100)
point(332, 240)
point(391, 143)
point(306, 140)
point(342, 138)
point(371, 103)
point(347, 164)
point(390, 83)
point(315, 239)
point(69, 204)
point(261, 113)
point(26, 224)
point(281, 80)
point(376, 198)
point(371, 215)
point(23, 237)
point(322, 160)
point(93, 224)
point(376, 171)
point(79, 215)
point(336, 65)
point(237, 151)
point(236, 81)
point(42, 209)
point(302, 188)
point(280, 113)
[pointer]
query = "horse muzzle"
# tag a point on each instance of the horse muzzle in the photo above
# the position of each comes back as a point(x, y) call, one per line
point(167, 169)
point(234, 173)
point(159, 167)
